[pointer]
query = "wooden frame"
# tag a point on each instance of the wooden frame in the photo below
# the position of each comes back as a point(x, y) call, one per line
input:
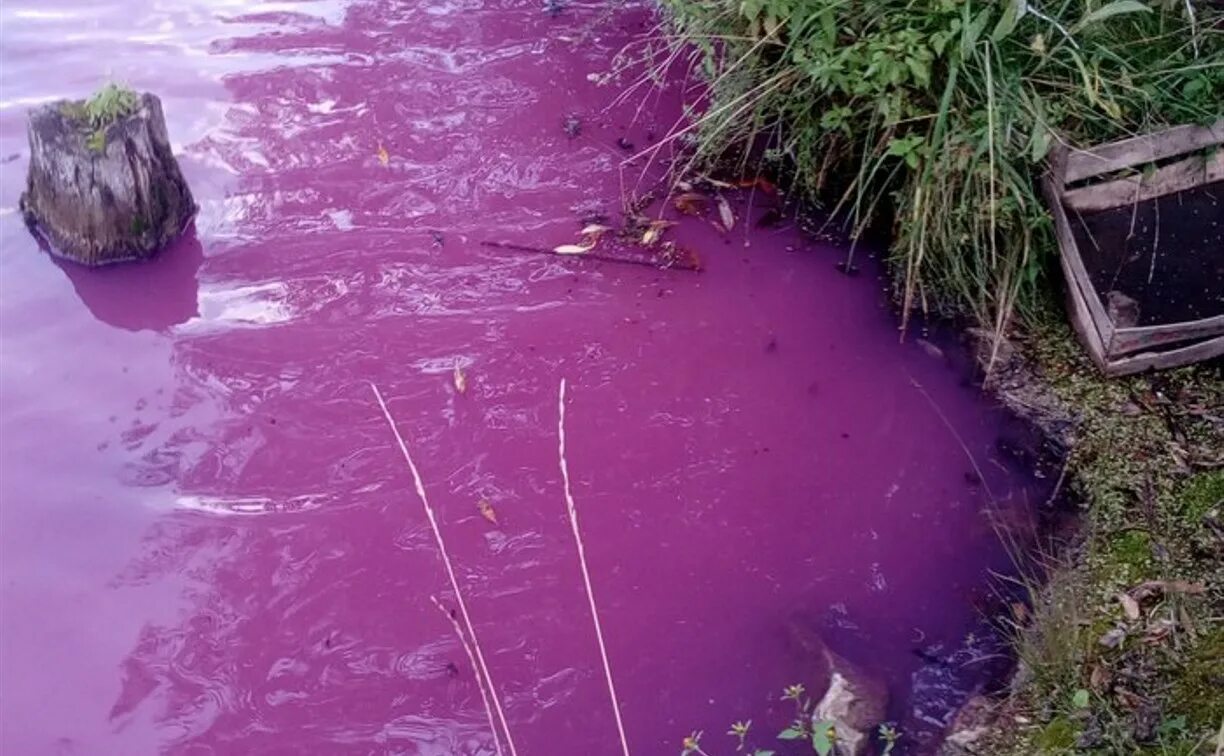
point(1121, 350)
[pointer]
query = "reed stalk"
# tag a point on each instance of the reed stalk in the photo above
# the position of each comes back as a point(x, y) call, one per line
point(483, 668)
point(586, 573)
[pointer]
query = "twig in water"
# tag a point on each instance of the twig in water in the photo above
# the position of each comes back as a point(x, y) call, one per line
point(951, 429)
point(484, 694)
point(450, 570)
point(656, 262)
point(586, 575)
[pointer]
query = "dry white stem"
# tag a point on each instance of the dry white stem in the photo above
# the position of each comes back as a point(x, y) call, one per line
point(450, 570)
point(586, 574)
point(484, 694)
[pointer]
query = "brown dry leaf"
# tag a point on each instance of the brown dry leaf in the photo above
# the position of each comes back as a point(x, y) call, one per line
point(595, 229)
point(655, 230)
point(487, 511)
point(383, 156)
point(1019, 611)
point(724, 213)
point(1158, 631)
point(1099, 678)
point(1153, 587)
point(1130, 607)
point(690, 203)
point(460, 380)
point(574, 249)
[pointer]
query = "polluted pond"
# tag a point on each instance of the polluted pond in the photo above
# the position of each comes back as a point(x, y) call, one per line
point(658, 495)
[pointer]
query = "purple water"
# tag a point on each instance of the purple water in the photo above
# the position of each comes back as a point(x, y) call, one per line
point(209, 541)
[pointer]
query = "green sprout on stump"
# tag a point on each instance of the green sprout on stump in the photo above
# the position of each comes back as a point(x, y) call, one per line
point(110, 104)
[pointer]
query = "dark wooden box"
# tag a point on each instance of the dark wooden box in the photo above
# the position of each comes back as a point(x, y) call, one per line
point(1128, 182)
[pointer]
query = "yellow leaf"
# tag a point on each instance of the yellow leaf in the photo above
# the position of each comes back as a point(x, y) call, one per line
point(383, 156)
point(487, 511)
point(573, 249)
point(460, 380)
point(725, 214)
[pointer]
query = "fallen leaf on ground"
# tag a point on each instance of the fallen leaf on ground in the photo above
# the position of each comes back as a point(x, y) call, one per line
point(383, 156)
point(574, 249)
point(487, 511)
point(1130, 607)
point(717, 183)
point(1153, 587)
point(724, 213)
point(595, 229)
point(1113, 638)
point(1099, 678)
point(460, 380)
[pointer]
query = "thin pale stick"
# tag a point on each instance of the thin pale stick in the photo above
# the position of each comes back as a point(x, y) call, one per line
point(586, 575)
point(450, 570)
point(484, 695)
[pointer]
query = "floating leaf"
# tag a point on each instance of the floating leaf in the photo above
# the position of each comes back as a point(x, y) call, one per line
point(383, 156)
point(574, 249)
point(654, 231)
point(690, 203)
point(487, 511)
point(724, 213)
point(460, 380)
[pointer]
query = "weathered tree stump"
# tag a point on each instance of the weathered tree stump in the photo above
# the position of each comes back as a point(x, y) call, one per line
point(104, 192)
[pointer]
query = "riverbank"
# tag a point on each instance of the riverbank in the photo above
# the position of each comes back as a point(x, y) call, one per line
point(1121, 648)
point(932, 120)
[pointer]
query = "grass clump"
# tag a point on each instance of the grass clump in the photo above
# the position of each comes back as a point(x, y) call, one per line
point(938, 114)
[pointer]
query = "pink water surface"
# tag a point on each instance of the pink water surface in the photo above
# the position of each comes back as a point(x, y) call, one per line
point(209, 542)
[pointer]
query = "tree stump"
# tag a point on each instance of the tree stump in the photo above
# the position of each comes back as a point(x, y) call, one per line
point(104, 193)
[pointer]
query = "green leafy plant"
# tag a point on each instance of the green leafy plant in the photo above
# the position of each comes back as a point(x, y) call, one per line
point(110, 104)
point(938, 115)
point(888, 735)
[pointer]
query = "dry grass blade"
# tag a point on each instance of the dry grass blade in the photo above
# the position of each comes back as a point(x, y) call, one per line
point(586, 575)
point(467, 647)
point(450, 569)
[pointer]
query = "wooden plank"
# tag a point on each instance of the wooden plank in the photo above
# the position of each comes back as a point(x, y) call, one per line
point(1126, 340)
point(1184, 174)
point(1146, 148)
point(1204, 350)
point(1074, 270)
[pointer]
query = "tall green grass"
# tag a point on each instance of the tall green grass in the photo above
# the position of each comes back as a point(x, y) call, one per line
point(938, 115)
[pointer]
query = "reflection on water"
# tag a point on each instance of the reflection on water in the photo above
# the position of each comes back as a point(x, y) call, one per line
point(209, 539)
point(153, 295)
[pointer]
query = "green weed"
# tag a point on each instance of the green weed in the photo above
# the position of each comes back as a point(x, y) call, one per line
point(939, 114)
point(110, 104)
